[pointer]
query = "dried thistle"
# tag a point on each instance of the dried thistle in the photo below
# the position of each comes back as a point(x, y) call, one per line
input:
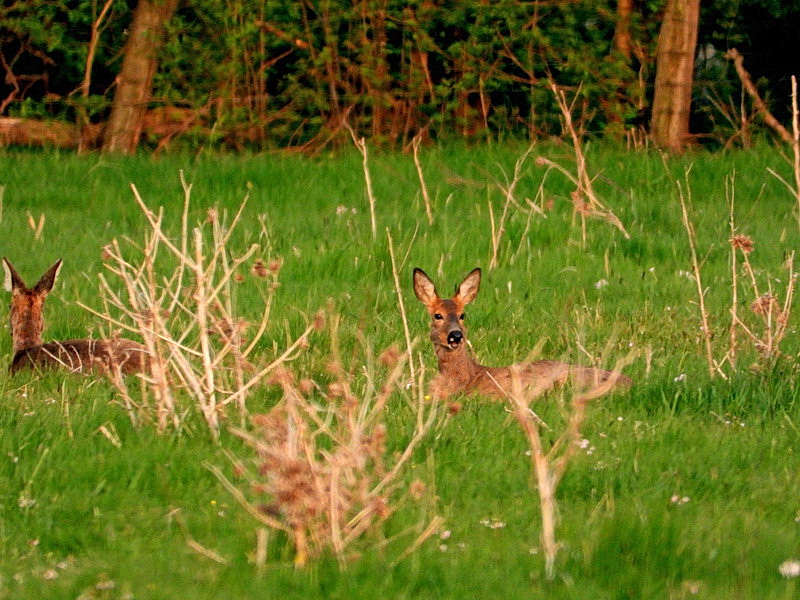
point(743, 243)
point(281, 376)
point(307, 386)
point(319, 321)
point(453, 408)
point(275, 266)
point(259, 269)
point(417, 489)
point(766, 306)
point(390, 357)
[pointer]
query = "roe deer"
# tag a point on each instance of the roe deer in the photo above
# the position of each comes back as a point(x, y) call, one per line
point(458, 372)
point(27, 324)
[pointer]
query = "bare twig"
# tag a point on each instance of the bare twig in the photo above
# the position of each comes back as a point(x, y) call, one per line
point(585, 201)
point(508, 189)
point(361, 145)
point(713, 367)
point(750, 88)
point(401, 306)
point(422, 186)
point(795, 143)
point(92, 50)
point(188, 321)
point(550, 462)
point(730, 190)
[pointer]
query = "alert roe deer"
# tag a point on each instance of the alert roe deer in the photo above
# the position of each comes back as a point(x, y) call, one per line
point(27, 324)
point(458, 372)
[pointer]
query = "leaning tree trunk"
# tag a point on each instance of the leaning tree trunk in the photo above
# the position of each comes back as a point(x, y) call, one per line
point(135, 79)
point(672, 99)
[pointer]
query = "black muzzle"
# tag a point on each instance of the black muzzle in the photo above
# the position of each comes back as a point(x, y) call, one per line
point(454, 338)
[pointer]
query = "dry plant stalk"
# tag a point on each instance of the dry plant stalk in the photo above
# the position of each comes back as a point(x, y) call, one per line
point(508, 190)
point(585, 201)
point(92, 50)
point(198, 354)
point(739, 118)
point(760, 106)
point(794, 141)
point(322, 474)
point(361, 145)
point(402, 308)
point(772, 314)
point(549, 462)
point(713, 366)
point(732, 344)
point(422, 185)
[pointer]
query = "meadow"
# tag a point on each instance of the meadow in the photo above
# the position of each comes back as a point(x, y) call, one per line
point(684, 486)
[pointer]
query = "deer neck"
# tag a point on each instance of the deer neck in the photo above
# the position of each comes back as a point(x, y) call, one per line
point(457, 365)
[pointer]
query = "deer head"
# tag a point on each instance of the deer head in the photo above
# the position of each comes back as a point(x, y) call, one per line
point(447, 314)
point(27, 304)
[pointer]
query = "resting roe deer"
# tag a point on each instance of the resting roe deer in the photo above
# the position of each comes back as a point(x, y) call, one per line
point(458, 372)
point(27, 324)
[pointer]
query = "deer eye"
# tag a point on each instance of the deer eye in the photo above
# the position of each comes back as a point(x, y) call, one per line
point(461, 316)
point(438, 317)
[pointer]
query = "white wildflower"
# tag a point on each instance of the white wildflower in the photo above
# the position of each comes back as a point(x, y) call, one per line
point(492, 523)
point(790, 568)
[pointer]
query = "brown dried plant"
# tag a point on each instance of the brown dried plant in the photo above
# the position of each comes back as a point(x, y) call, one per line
point(772, 320)
point(549, 460)
point(201, 350)
point(321, 471)
point(508, 189)
point(794, 141)
point(765, 332)
point(585, 201)
point(361, 145)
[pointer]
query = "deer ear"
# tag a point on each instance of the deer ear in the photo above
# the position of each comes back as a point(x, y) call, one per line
point(424, 287)
point(45, 284)
point(468, 289)
point(13, 281)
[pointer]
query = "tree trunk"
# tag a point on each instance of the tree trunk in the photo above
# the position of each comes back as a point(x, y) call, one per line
point(134, 83)
point(622, 34)
point(672, 99)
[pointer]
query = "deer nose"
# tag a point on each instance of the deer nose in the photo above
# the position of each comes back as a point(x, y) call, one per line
point(454, 337)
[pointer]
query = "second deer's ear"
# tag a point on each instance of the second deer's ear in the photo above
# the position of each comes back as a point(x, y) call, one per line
point(45, 284)
point(468, 289)
point(424, 287)
point(13, 281)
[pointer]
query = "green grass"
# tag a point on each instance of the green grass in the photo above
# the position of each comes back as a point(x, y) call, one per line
point(82, 517)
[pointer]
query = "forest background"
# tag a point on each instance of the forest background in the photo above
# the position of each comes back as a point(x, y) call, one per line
point(257, 74)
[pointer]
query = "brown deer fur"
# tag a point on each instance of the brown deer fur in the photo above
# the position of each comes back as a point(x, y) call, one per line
point(458, 372)
point(27, 324)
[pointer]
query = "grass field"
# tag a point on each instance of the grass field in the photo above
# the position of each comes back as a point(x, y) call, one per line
point(687, 485)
